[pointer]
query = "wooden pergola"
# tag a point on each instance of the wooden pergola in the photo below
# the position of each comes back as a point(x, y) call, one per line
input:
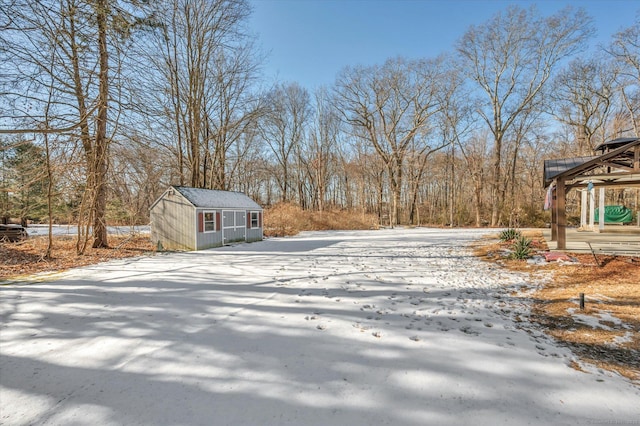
point(616, 165)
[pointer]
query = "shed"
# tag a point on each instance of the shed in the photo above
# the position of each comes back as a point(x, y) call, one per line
point(185, 218)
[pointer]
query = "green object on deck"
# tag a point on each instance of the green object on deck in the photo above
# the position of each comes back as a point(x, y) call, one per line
point(615, 214)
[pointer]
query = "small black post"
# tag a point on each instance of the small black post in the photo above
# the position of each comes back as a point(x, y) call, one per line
point(582, 301)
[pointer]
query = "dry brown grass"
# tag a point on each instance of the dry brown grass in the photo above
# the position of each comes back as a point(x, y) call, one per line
point(285, 219)
point(611, 288)
point(27, 257)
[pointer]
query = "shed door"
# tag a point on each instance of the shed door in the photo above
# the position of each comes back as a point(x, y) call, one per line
point(234, 224)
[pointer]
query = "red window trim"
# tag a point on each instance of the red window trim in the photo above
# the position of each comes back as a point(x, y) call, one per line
point(201, 221)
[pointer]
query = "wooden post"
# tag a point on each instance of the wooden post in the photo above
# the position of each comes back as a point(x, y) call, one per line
point(554, 216)
point(561, 214)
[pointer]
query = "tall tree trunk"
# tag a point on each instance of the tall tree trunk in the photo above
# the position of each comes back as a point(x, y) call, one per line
point(452, 191)
point(477, 200)
point(101, 140)
point(393, 187)
point(49, 194)
point(496, 191)
point(84, 214)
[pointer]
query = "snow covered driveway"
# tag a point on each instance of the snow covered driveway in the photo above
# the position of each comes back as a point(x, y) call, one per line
point(397, 327)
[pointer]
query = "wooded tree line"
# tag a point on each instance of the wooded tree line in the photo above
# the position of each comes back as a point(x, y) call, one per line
point(104, 103)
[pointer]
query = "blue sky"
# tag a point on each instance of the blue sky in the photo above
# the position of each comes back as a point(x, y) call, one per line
point(310, 41)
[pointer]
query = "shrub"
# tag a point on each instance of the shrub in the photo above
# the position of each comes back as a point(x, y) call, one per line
point(521, 248)
point(285, 219)
point(510, 234)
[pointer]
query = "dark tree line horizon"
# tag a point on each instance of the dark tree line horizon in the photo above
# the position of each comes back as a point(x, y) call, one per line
point(105, 103)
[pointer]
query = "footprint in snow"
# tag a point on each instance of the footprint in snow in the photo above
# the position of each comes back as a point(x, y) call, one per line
point(377, 334)
point(321, 327)
point(469, 330)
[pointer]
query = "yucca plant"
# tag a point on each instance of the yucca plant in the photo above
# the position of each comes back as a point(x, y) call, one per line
point(521, 248)
point(510, 234)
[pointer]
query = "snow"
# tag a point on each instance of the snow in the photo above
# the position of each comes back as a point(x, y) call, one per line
point(396, 327)
point(596, 320)
point(40, 230)
point(216, 199)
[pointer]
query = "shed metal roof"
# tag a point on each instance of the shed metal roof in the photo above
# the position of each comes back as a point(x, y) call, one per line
point(216, 199)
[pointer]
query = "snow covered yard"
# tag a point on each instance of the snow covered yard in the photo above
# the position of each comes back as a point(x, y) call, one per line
point(43, 230)
point(398, 327)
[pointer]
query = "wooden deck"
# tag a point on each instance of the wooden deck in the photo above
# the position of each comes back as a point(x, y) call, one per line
point(616, 239)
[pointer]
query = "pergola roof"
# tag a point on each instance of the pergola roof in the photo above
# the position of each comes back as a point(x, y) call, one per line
point(614, 143)
point(553, 168)
point(619, 164)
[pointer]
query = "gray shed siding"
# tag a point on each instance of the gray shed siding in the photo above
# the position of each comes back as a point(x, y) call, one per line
point(173, 223)
point(254, 235)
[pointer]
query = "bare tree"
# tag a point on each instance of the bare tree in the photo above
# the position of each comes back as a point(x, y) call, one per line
point(137, 176)
point(523, 130)
point(390, 106)
point(320, 147)
point(234, 108)
point(65, 47)
point(582, 97)
point(454, 123)
point(475, 150)
point(283, 128)
point(531, 193)
point(510, 59)
point(204, 66)
point(625, 48)
point(249, 171)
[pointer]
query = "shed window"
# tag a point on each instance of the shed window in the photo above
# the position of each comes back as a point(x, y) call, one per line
point(255, 223)
point(209, 221)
